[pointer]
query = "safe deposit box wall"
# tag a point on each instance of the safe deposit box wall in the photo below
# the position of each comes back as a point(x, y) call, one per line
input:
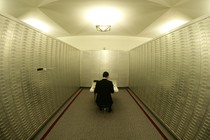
point(37, 75)
point(171, 75)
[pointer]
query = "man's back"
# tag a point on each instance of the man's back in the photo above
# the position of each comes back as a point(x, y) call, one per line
point(104, 88)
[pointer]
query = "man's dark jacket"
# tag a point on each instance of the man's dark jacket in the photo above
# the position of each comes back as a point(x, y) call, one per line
point(104, 88)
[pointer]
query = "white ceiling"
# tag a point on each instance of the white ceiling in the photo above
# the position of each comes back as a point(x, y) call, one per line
point(141, 21)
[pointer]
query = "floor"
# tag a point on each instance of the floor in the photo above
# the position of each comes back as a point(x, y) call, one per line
point(80, 119)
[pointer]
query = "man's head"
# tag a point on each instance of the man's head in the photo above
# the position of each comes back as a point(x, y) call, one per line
point(106, 74)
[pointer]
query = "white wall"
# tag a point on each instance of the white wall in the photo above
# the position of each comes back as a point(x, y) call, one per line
point(85, 43)
point(94, 63)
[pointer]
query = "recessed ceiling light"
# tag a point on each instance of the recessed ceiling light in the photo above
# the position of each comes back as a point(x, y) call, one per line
point(104, 15)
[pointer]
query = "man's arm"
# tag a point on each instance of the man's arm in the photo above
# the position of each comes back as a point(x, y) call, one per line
point(96, 88)
point(93, 86)
point(112, 88)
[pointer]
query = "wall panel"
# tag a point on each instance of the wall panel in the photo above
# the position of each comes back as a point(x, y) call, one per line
point(94, 63)
point(28, 97)
point(174, 75)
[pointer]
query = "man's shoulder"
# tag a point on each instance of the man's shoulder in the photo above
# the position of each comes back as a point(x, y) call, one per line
point(110, 82)
point(100, 81)
point(104, 80)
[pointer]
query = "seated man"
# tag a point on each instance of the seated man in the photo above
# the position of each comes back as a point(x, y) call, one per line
point(104, 88)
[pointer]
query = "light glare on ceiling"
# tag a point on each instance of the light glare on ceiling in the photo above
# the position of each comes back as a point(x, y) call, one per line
point(104, 15)
point(37, 24)
point(172, 25)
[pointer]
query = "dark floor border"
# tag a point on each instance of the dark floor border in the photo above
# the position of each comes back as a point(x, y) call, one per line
point(54, 123)
point(153, 123)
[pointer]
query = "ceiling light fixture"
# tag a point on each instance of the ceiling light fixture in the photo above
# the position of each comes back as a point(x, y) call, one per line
point(103, 28)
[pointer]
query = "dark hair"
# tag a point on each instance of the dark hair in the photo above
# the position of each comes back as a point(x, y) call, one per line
point(105, 74)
